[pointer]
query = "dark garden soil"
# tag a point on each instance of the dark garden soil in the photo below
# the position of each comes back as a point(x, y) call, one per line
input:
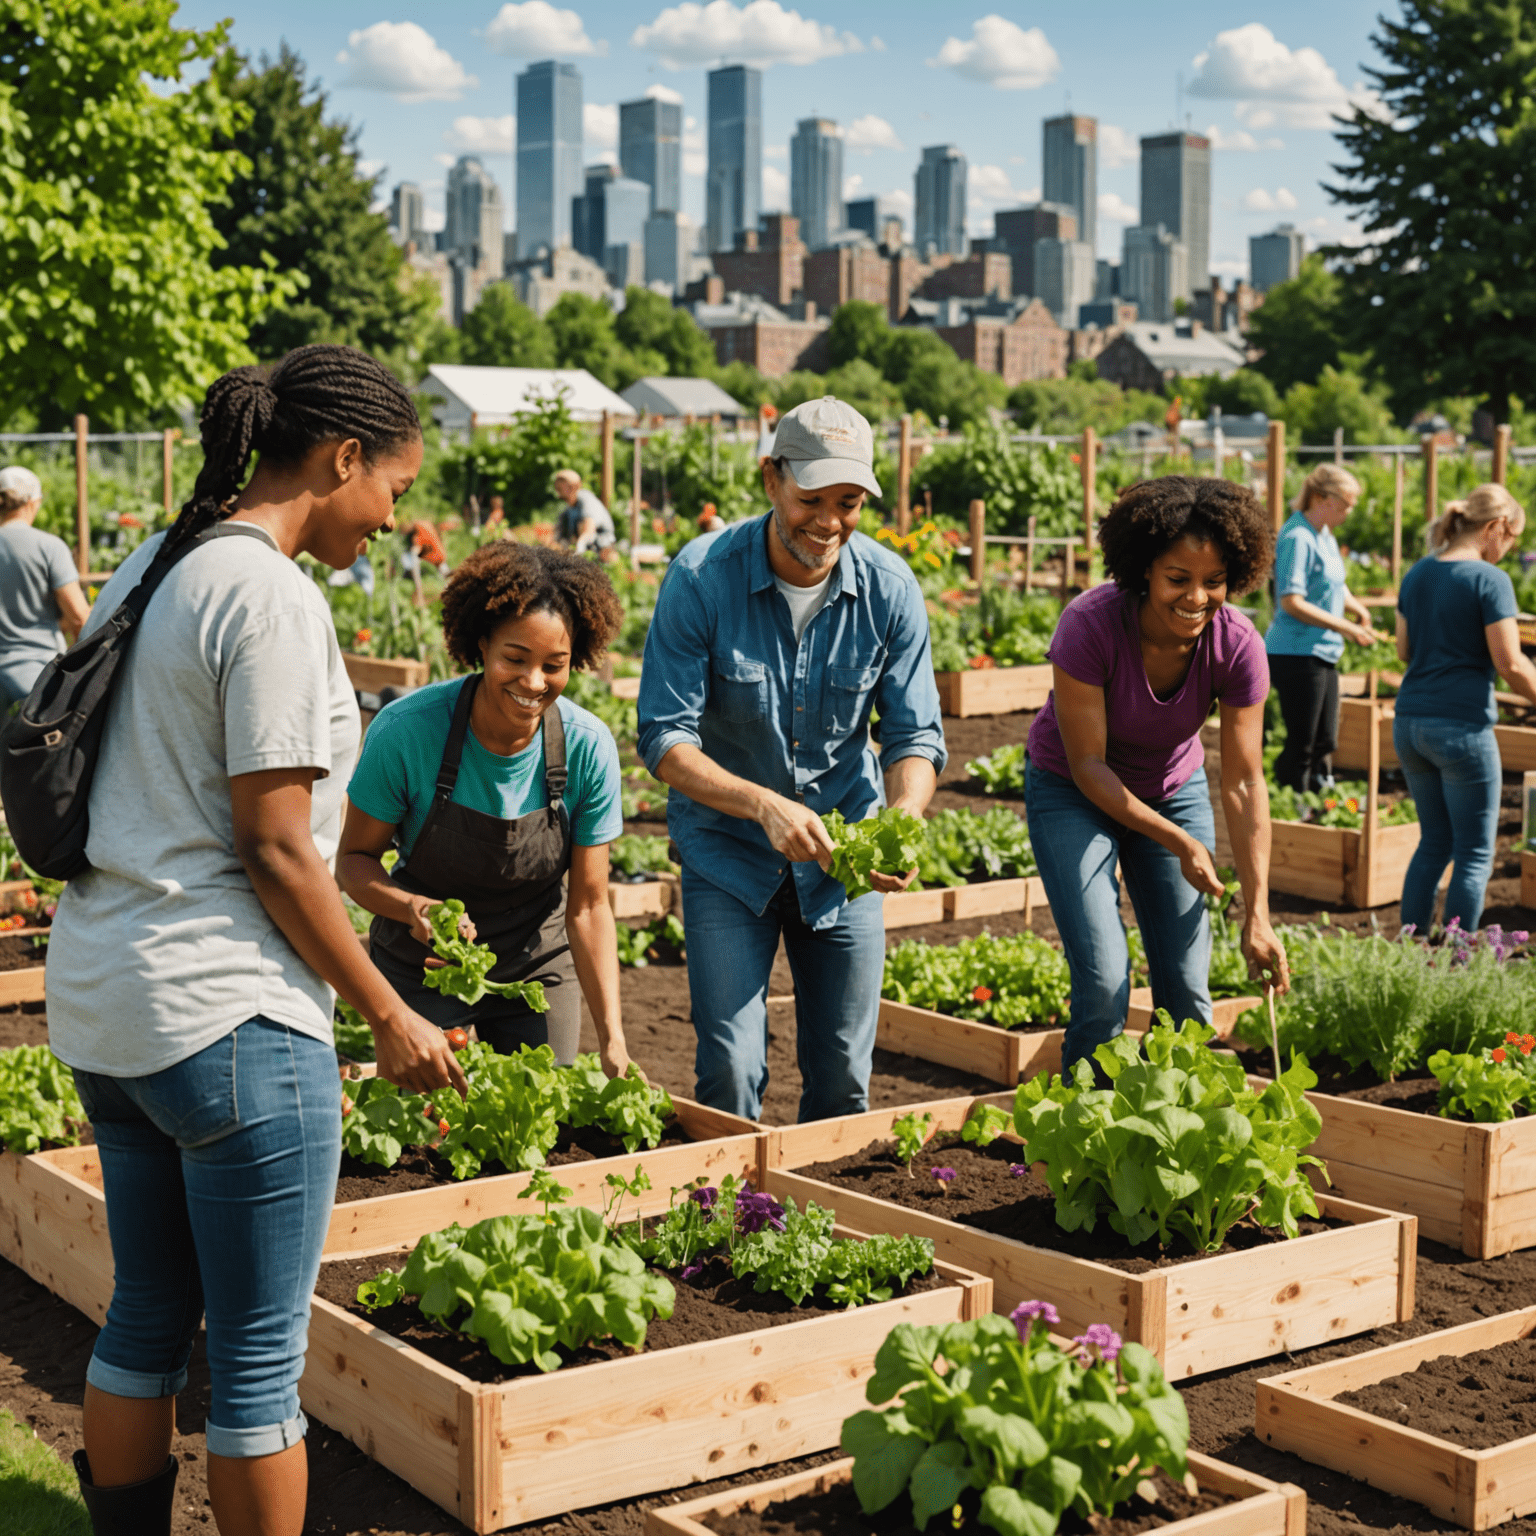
point(713, 1305)
point(837, 1513)
point(994, 1192)
point(21, 954)
point(978, 736)
point(1477, 1401)
point(23, 1024)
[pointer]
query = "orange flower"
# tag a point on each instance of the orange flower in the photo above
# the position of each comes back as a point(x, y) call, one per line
point(1499, 1053)
point(364, 637)
point(128, 520)
point(1352, 805)
point(1511, 1038)
point(1328, 805)
point(982, 994)
point(981, 663)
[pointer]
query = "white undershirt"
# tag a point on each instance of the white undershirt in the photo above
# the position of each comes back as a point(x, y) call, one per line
point(804, 602)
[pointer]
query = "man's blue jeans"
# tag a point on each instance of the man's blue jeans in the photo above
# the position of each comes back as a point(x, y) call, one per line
point(1454, 775)
point(837, 971)
point(1076, 847)
point(220, 1177)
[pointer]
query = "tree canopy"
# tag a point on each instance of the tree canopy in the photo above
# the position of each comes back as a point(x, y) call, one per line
point(114, 301)
point(502, 332)
point(651, 322)
point(1298, 327)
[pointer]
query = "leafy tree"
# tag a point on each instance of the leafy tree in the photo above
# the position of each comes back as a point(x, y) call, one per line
point(1054, 406)
point(741, 381)
point(1299, 326)
point(1340, 398)
point(946, 386)
point(518, 461)
point(583, 332)
point(651, 322)
point(1244, 393)
point(502, 332)
point(907, 346)
point(303, 202)
point(1445, 285)
point(112, 303)
point(859, 383)
point(859, 331)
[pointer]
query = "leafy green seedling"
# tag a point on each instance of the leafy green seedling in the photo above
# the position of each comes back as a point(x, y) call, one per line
point(911, 1133)
point(546, 1189)
point(986, 1125)
point(469, 964)
point(621, 1187)
point(891, 843)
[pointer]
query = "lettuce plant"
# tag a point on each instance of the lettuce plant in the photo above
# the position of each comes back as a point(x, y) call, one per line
point(1002, 772)
point(470, 964)
point(891, 843)
point(1016, 980)
point(38, 1101)
point(633, 856)
point(1487, 1085)
point(995, 1407)
point(976, 845)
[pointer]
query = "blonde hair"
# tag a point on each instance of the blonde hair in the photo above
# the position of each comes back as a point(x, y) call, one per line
point(1328, 480)
point(567, 477)
point(1487, 504)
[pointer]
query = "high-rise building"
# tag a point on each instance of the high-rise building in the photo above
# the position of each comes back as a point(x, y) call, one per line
point(733, 190)
point(863, 214)
point(588, 224)
point(1070, 170)
point(1064, 277)
point(669, 242)
point(407, 215)
point(651, 148)
point(1106, 281)
point(816, 180)
point(612, 211)
point(1154, 271)
point(472, 230)
point(548, 155)
point(1176, 193)
point(1275, 257)
point(940, 215)
point(1016, 231)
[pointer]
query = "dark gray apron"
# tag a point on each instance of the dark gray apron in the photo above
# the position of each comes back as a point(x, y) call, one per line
point(510, 877)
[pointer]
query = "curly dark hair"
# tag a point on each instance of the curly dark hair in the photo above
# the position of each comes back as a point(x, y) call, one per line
point(1151, 516)
point(505, 580)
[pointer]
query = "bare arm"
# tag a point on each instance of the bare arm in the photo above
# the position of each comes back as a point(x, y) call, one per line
point(1309, 613)
point(1245, 802)
point(1513, 664)
point(595, 951)
point(909, 786)
point(1080, 715)
point(273, 842)
point(1402, 639)
point(73, 609)
point(361, 874)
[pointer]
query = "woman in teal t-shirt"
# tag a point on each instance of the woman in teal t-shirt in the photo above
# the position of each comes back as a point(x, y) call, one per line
point(494, 789)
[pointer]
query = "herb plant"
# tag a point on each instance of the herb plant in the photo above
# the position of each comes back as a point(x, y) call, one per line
point(469, 964)
point(891, 843)
point(1009, 981)
point(663, 941)
point(38, 1101)
point(994, 1407)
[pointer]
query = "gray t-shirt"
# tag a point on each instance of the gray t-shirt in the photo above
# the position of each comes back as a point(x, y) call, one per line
point(585, 507)
point(162, 947)
point(33, 566)
point(804, 602)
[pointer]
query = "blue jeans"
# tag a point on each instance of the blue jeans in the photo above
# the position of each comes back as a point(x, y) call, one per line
point(1076, 847)
point(837, 970)
point(1454, 775)
point(220, 1176)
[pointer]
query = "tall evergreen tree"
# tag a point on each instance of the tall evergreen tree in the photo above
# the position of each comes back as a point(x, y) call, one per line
point(1443, 293)
point(305, 203)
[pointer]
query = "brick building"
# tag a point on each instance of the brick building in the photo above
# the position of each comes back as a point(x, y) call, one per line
point(768, 261)
point(984, 275)
point(746, 329)
point(1028, 345)
point(844, 274)
point(1149, 354)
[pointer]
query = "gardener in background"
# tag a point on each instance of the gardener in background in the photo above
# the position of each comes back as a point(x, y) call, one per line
point(586, 523)
point(772, 642)
point(1307, 637)
point(1456, 633)
point(39, 588)
point(1116, 770)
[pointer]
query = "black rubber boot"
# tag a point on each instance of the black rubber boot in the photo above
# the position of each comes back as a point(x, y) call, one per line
point(134, 1509)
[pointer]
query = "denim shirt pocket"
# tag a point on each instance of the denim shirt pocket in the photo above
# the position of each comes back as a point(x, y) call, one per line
point(847, 697)
point(740, 690)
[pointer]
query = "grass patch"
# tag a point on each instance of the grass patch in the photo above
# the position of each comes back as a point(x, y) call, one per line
point(38, 1492)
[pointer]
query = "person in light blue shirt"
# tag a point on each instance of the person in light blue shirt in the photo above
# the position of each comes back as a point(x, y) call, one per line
point(1307, 636)
point(773, 642)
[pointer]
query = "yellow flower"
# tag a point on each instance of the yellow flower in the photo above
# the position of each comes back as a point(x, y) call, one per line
point(933, 559)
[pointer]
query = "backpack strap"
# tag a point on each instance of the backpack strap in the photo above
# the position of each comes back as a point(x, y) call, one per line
point(133, 606)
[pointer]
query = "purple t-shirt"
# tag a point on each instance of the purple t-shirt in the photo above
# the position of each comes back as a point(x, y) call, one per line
point(1154, 744)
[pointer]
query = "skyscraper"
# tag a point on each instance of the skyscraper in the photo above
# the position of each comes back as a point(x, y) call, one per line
point(1070, 171)
point(1016, 231)
point(816, 180)
point(863, 214)
point(1176, 193)
point(733, 191)
point(407, 215)
point(651, 148)
point(1064, 278)
point(588, 224)
point(548, 154)
point(1154, 271)
point(472, 230)
point(669, 238)
point(1275, 257)
point(940, 217)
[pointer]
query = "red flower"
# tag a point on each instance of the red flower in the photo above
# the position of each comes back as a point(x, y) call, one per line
point(982, 994)
point(364, 637)
point(1499, 1053)
point(128, 520)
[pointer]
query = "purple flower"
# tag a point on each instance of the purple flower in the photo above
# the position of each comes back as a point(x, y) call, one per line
point(943, 1175)
point(755, 1211)
point(1018, 1170)
point(692, 1271)
point(1101, 1338)
point(1409, 929)
point(1454, 925)
point(705, 1198)
point(1518, 935)
point(1024, 1315)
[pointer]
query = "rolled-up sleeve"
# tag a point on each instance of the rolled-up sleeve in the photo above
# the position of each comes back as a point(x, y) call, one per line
point(674, 680)
point(911, 722)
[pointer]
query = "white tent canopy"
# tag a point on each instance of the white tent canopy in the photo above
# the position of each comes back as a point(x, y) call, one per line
point(683, 397)
point(490, 397)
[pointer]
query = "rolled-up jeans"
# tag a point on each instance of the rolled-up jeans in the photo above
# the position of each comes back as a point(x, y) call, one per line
point(220, 1175)
point(1077, 847)
point(838, 971)
point(1455, 776)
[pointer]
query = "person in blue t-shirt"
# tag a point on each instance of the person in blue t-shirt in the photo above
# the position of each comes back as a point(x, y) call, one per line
point(1456, 632)
point(494, 788)
point(1307, 636)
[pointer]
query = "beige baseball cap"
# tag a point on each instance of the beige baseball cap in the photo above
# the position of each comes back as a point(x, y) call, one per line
point(827, 443)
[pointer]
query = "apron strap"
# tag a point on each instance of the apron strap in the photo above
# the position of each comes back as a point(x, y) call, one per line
point(453, 751)
point(555, 775)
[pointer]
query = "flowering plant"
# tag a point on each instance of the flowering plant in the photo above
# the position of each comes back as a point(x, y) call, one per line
point(1488, 1085)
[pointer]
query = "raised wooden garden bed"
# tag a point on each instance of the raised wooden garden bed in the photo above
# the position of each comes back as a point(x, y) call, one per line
point(536, 1447)
point(642, 900)
point(1477, 1489)
point(25, 985)
point(1527, 878)
point(370, 674)
point(1351, 867)
point(1516, 743)
point(1264, 1508)
point(994, 690)
point(911, 909)
point(980, 898)
point(1202, 1315)
point(53, 1224)
point(625, 687)
point(1003, 1055)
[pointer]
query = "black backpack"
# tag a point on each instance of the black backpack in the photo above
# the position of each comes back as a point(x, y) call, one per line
point(49, 747)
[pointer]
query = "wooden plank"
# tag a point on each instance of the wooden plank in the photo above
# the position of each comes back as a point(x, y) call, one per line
point(1225, 1011)
point(369, 674)
point(984, 898)
point(909, 909)
point(994, 690)
point(1393, 848)
point(625, 687)
point(1307, 860)
point(1527, 879)
point(1353, 750)
point(820, 1141)
point(53, 1225)
point(1004, 1055)
point(25, 985)
point(638, 900)
point(1517, 747)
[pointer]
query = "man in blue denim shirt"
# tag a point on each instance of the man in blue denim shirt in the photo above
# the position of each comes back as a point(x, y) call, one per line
point(772, 641)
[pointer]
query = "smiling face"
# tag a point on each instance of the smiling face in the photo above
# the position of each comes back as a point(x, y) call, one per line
point(361, 503)
point(1186, 584)
point(809, 527)
point(527, 665)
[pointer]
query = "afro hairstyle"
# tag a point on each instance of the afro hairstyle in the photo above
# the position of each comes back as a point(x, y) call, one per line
point(1153, 515)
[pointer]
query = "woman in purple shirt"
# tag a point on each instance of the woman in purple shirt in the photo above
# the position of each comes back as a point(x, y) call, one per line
point(1116, 771)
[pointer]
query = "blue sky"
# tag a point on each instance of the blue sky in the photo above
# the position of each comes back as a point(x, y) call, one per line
point(429, 82)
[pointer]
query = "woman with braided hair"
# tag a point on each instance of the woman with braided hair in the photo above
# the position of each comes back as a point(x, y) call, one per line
point(1116, 770)
point(191, 968)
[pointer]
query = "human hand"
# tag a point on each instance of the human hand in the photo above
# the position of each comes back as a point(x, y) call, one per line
point(1199, 868)
point(795, 830)
point(1364, 634)
point(421, 924)
point(890, 884)
point(613, 1053)
point(1266, 955)
point(413, 1053)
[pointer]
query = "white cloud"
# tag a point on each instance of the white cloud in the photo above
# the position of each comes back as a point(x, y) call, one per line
point(403, 59)
point(897, 203)
point(1117, 147)
point(449, 159)
point(1273, 84)
point(1282, 200)
point(1240, 140)
point(1230, 266)
point(877, 45)
point(871, 132)
point(775, 189)
point(368, 169)
point(1001, 53)
point(1116, 210)
point(776, 152)
point(483, 135)
point(535, 29)
point(989, 186)
point(761, 32)
point(851, 185)
point(695, 156)
point(600, 125)
point(664, 93)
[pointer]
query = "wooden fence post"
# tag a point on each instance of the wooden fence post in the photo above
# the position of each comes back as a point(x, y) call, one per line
point(904, 478)
point(1068, 564)
point(1501, 435)
point(608, 459)
point(1338, 446)
point(1090, 451)
point(82, 511)
point(634, 506)
point(1431, 450)
point(1029, 552)
point(1274, 474)
point(978, 540)
point(1397, 520)
point(1367, 871)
